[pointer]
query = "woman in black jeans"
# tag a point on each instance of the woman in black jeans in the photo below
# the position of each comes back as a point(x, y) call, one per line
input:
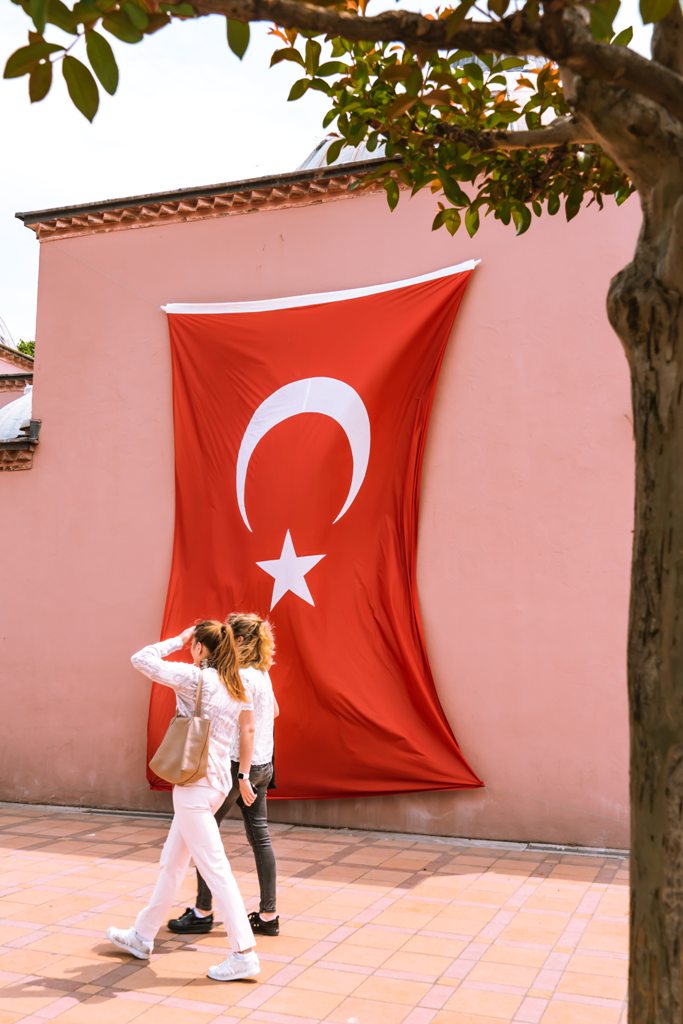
point(255, 648)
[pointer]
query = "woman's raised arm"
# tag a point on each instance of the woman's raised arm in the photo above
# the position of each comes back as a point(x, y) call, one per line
point(179, 676)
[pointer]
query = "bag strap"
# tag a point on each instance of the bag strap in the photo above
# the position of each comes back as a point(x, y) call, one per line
point(198, 698)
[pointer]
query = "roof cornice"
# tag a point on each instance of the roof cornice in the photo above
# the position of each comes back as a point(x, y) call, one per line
point(20, 359)
point(297, 188)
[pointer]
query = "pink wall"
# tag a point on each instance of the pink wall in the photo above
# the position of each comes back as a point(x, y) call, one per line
point(525, 517)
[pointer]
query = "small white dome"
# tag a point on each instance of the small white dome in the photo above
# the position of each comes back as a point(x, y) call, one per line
point(349, 155)
point(15, 415)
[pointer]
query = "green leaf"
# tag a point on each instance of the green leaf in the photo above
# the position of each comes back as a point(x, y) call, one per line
point(623, 38)
point(38, 10)
point(40, 81)
point(59, 14)
point(238, 36)
point(438, 220)
point(654, 10)
point(334, 150)
point(136, 15)
point(510, 64)
point(25, 58)
point(601, 21)
point(392, 191)
point(119, 25)
point(400, 106)
point(472, 221)
point(329, 117)
point(332, 67)
point(414, 81)
point(452, 220)
point(451, 189)
point(553, 203)
point(290, 53)
point(298, 89)
point(101, 56)
point(573, 201)
point(82, 87)
point(320, 86)
point(474, 73)
point(521, 216)
point(312, 56)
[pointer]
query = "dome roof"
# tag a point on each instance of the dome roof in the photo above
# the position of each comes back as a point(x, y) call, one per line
point(348, 155)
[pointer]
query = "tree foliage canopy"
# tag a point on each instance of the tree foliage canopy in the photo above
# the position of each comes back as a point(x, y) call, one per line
point(474, 102)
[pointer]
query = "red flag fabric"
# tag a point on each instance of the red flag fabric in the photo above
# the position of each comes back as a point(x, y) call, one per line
point(300, 427)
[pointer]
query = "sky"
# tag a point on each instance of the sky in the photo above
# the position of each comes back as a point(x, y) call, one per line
point(187, 113)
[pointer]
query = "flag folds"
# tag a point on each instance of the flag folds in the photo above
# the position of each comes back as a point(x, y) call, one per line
point(300, 426)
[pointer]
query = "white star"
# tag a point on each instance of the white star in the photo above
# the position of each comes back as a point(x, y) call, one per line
point(289, 571)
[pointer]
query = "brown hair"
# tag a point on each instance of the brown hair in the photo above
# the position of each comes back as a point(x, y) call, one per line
point(219, 641)
point(257, 649)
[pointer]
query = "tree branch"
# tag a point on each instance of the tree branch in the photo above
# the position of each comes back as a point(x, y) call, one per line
point(626, 69)
point(512, 35)
point(564, 131)
point(667, 39)
point(570, 44)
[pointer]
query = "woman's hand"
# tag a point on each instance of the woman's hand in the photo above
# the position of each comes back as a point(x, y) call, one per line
point(246, 792)
point(187, 635)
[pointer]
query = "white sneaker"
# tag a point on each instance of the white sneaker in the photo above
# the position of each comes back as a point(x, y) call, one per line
point(237, 965)
point(129, 941)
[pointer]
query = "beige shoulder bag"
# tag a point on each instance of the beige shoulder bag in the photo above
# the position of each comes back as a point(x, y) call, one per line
point(183, 754)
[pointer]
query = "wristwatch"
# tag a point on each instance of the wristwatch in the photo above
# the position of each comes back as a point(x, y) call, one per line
point(243, 775)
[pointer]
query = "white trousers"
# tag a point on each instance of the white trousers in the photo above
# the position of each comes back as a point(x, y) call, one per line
point(194, 833)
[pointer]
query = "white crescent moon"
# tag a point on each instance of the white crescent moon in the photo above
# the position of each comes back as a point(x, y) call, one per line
point(324, 395)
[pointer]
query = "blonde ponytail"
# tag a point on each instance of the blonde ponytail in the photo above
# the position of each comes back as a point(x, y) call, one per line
point(257, 647)
point(218, 639)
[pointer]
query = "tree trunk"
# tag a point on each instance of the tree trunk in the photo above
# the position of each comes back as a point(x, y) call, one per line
point(645, 308)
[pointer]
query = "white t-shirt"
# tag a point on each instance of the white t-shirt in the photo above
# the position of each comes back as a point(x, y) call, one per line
point(260, 690)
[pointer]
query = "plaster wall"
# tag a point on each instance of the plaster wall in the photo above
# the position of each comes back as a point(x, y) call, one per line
point(525, 517)
point(8, 396)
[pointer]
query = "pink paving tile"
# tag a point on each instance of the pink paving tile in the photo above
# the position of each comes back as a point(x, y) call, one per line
point(189, 1006)
point(287, 974)
point(256, 998)
point(280, 1018)
point(420, 1015)
point(531, 1011)
point(459, 969)
point(546, 980)
point(557, 961)
point(475, 950)
point(437, 997)
point(57, 1008)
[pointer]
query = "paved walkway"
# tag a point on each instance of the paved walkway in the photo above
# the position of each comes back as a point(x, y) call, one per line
point(376, 929)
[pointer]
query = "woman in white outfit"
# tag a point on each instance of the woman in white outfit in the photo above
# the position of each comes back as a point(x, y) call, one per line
point(256, 649)
point(227, 702)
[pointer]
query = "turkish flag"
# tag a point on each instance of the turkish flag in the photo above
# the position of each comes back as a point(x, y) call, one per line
point(300, 427)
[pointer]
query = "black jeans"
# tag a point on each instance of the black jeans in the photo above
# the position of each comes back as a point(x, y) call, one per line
point(256, 826)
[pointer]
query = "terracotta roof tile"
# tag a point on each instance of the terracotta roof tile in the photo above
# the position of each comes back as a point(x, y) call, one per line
point(18, 359)
point(298, 188)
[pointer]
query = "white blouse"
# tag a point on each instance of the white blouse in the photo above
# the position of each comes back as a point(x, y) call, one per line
point(261, 691)
point(216, 703)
